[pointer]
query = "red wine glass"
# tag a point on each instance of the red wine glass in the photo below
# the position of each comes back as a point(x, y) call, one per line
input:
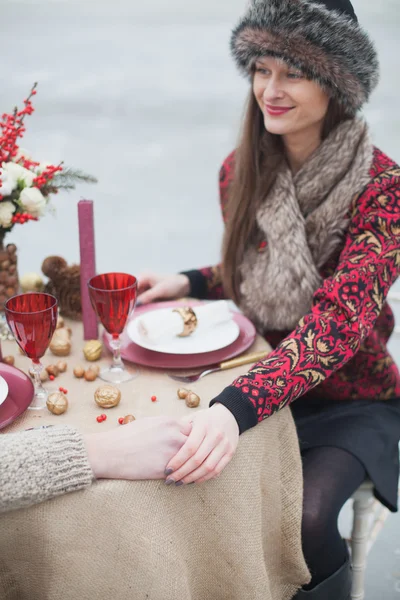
point(113, 297)
point(32, 319)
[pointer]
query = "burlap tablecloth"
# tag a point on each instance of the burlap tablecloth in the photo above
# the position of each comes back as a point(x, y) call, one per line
point(235, 538)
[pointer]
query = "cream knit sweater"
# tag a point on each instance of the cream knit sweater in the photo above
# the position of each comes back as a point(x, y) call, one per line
point(39, 464)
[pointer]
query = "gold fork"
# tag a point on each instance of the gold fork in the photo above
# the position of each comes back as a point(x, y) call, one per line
point(223, 366)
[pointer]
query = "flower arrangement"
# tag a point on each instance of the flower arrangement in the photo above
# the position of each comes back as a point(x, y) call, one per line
point(26, 186)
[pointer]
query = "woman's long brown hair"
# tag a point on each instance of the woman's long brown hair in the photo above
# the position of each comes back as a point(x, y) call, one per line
point(257, 158)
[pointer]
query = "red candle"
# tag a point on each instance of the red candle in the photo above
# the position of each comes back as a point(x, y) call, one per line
point(88, 267)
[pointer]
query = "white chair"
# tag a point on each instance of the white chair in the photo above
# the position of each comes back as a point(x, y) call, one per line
point(369, 517)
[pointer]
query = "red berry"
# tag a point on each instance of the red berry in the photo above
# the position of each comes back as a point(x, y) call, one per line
point(154, 398)
point(104, 417)
point(99, 419)
point(51, 377)
point(65, 391)
point(121, 420)
point(60, 389)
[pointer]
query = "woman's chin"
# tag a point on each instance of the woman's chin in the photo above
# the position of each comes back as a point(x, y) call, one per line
point(276, 126)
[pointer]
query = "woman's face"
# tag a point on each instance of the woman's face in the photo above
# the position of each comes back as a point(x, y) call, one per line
point(289, 102)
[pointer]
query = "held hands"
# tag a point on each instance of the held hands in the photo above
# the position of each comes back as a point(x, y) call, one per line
point(138, 450)
point(153, 287)
point(208, 449)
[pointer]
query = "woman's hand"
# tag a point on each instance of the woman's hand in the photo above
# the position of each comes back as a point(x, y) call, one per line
point(208, 449)
point(162, 287)
point(138, 450)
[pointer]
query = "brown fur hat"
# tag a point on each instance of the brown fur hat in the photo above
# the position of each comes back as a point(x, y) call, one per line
point(320, 37)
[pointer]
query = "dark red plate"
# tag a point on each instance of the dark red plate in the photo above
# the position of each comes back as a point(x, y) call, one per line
point(20, 394)
point(131, 352)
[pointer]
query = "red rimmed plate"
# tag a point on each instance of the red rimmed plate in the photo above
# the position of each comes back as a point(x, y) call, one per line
point(20, 394)
point(131, 352)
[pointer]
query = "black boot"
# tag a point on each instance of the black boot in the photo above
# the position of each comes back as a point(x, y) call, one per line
point(336, 587)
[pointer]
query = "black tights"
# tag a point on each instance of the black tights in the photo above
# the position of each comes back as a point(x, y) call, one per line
point(331, 476)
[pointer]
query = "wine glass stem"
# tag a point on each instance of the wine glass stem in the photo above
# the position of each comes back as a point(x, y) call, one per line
point(117, 360)
point(37, 368)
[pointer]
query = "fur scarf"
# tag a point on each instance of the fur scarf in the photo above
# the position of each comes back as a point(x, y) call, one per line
point(303, 219)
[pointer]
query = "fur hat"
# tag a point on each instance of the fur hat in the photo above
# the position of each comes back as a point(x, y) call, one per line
point(320, 37)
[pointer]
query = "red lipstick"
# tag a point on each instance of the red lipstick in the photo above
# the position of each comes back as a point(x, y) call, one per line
point(276, 111)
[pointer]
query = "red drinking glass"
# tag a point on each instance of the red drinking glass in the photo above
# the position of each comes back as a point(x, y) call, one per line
point(32, 319)
point(113, 297)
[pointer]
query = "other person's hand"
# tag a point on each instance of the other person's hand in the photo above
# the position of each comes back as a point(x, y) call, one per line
point(153, 287)
point(208, 449)
point(138, 450)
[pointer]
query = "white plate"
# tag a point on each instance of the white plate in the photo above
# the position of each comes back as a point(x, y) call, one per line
point(3, 389)
point(202, 340)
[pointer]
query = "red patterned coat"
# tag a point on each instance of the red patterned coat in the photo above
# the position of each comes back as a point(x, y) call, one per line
point(338, 350)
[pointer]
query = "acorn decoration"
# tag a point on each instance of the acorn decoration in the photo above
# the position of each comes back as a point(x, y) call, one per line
point(128, 419)
point(92, 350)
point(53, 370)
point(107, 396)
point(43, 375)
point(62, 366)
point(9, 360)
point(192, 400)
point(90, 374)
point(57, 403)
point(60, 344)
point(79, 372)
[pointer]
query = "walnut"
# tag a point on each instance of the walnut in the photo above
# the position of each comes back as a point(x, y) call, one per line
point(57, 403)
point(92, 350)
point(107, 396)
point(31, 282)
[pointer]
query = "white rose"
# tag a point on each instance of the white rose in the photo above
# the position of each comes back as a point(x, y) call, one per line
point(7, 183)
point(7, 209)
point(19, 173)
point(33, 201)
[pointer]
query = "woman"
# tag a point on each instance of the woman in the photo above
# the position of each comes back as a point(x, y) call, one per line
point(311, 248)
point(39, 464)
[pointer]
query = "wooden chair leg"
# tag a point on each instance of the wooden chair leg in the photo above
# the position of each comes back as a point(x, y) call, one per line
point(363, 507)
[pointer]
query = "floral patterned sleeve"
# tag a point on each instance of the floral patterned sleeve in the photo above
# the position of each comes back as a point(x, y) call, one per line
point(206, 283)
point(345, 309)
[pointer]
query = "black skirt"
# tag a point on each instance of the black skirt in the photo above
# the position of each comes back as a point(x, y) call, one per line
point(368, 430)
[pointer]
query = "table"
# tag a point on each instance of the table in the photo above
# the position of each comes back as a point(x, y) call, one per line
point(234, 538)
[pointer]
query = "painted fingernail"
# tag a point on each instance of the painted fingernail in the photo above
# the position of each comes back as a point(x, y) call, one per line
point(168, 471)
point(178, 483)
point(169, 482)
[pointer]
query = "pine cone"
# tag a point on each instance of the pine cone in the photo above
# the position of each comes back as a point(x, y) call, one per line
point(65, 284)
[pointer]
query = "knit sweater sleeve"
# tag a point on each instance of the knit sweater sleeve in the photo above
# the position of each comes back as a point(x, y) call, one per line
point(206, 283)
point(39, 464)
point(344, 311)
